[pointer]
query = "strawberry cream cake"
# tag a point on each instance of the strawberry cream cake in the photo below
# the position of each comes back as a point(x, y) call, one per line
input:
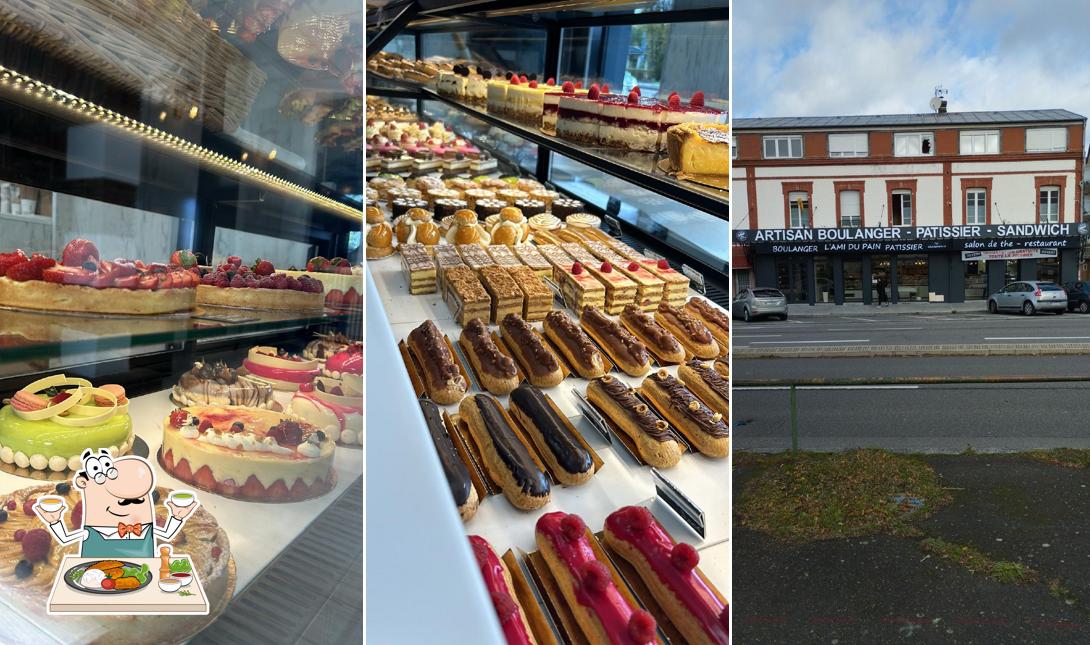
point(282, 370)
point(82, 282)
point(246, 453)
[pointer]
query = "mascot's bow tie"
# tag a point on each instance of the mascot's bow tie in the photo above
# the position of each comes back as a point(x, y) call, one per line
point(125, 529)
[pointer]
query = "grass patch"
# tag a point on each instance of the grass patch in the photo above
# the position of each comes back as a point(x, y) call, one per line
point(839, 495)
point(1004, 571)
point(761, 459)
point(1056, 589)
point(1078, 458)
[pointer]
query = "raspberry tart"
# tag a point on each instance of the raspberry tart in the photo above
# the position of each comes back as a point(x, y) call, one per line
point(334, 406)
point(246, 453)
point(83, 283)
point(282, 370)
point(49, 423)
point(335, 275)
point(234, 284)
point(29, 567)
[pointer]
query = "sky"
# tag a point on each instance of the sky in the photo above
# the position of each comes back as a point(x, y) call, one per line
point(839, 57)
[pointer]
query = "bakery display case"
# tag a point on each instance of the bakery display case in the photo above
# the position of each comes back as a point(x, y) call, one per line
point(181, 251)
point(547, 230)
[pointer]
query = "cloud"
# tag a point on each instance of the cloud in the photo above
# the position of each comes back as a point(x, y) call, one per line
point(799, 58)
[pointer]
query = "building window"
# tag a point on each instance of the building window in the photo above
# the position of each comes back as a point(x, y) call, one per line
point(783, 147)
point(850, 214)
point(913, 144)
point(798, 206)
point(901, 208)
point(1046, 139)
point(734, 147)
point(1048, 204)
point(848, 145)
point(976, 206)
point(980, 142)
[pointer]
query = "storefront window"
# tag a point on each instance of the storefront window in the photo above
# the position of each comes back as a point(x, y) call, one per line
point(879, 278)
point(793, 279)
point(853, 281)
point(976, 280)
point(1048, 270)
point(911, 278)
point(823, 279)
point(1010, 271)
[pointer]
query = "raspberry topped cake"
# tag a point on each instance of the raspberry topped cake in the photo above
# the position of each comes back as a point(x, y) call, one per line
point(246, 453)
point(49, 423)
point(283, 370)
point(233, 284)
point(348, 360)
point(82, 282)
point(337, 275)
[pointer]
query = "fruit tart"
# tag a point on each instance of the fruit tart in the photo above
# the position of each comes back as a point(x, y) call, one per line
point(30, 559)
point(335, 274)
point(247, 453)
point(50, 422)
point(234, 284)
point(82, 282)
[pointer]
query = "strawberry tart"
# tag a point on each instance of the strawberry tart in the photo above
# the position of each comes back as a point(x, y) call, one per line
point(49, 423)
point(234, 284)
point(245, 453)
point(82, 282)
point(282, 370)
point(334, 406)
point(343, 283)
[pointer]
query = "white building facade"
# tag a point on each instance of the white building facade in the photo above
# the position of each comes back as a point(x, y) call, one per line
point(942, 207)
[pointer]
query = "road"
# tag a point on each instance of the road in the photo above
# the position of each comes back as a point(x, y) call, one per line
point(942, 418)
point(911, 329)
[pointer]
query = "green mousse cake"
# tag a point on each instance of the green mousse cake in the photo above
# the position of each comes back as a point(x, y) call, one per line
point(47, 445)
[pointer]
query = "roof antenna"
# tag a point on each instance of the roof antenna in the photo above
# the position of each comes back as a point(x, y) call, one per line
point(938, 102)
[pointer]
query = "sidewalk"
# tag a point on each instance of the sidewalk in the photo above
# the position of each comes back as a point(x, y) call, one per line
point(860, 309)
point(1012, 565)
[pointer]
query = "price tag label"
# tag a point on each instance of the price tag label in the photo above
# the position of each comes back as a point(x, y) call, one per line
point(651, 254)
point(696, 277)
point(613, 224)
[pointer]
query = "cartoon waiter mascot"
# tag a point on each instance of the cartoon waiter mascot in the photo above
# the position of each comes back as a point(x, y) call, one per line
point(118, 509)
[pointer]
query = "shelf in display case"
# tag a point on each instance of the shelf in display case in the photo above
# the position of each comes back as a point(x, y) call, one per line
point(638, 168)
point(27, 335)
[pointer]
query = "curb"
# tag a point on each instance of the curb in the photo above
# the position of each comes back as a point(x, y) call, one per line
point(907, 380)
point(876, 351)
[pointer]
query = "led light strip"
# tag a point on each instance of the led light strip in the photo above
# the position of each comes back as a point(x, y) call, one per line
point(15, 81)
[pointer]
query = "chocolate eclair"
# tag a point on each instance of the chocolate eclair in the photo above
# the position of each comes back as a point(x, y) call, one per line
point(538, 361)
point(505, 457)
point(626, 351)
point(707, 383)
point(496, 370)
point(706, 429)
point(655, 442)
point(553, 436)
point(443, 379)
point(461, 486)
point(652, 334)
point(688, 329)
point(573, 342)
point(713, 317)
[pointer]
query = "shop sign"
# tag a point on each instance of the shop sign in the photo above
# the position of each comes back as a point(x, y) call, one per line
point(910, 239)
point(1009, 254)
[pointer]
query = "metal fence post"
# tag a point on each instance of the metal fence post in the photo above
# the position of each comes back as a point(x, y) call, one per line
point(794, 424)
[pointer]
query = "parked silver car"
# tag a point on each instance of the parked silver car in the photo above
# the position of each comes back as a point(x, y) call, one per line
point(1029, 297)
point(757, 302)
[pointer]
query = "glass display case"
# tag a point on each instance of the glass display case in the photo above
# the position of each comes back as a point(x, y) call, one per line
point(610, 214)
point(181, 244)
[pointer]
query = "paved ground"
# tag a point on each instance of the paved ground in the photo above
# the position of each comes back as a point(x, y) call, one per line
point(886, 590)
point(932, 366)
point(915, 418)
point(913, 329)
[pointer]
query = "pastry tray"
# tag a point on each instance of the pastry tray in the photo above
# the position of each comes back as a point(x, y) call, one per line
point(529, 596)
point(467, 452)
